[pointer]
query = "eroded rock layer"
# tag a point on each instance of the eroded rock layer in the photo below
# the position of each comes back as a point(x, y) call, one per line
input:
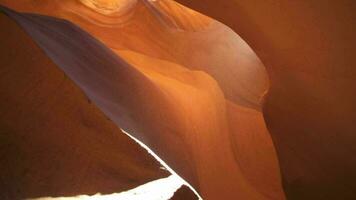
point(54, 140)
point(192, 90)
point(308, 48)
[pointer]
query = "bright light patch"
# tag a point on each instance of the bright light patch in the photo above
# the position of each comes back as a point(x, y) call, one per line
point(161, 189)
point(163, 164)
point(108, 7)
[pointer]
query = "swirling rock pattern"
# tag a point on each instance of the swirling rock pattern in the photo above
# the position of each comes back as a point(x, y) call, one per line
point(308, 49)
point(195, 92)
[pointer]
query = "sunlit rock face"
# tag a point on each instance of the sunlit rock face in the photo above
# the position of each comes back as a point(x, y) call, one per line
point(172, 81)
point(54, 141)
point(308, 49)
point(192, 90)
point(108, 7)
point(187, 98)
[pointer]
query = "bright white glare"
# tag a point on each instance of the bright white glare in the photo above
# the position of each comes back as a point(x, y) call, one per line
point(161, 189)
point(163, 164)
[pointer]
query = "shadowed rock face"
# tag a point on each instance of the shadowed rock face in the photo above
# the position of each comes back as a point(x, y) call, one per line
point(169, 32)
point(192, 90)
point(184, 193)
point(54, 140)
point(308, 49)
point(181, 113)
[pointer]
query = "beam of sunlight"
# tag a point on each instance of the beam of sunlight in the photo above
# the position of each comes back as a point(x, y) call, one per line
point(161, 189)
point(163, 164)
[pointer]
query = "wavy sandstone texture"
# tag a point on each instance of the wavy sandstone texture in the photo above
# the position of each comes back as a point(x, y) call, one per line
point(54, 140)
point(308, 48)
point(188, 87)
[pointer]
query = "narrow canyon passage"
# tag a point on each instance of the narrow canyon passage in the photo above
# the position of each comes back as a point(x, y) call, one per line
point(308, 48)
point(184, 106)
point(81, 78)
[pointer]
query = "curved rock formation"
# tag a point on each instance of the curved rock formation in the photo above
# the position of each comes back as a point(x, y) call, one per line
point(157, 30)
point(183, 107)
point(109, 7)
point(54, 140)
point(308, 49)
point(194, 91)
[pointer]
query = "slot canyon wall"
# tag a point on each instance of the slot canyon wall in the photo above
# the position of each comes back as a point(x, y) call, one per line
point(308, 49)
point(235, 125)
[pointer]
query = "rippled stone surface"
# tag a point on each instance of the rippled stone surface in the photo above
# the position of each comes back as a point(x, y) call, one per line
point(193, 90)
